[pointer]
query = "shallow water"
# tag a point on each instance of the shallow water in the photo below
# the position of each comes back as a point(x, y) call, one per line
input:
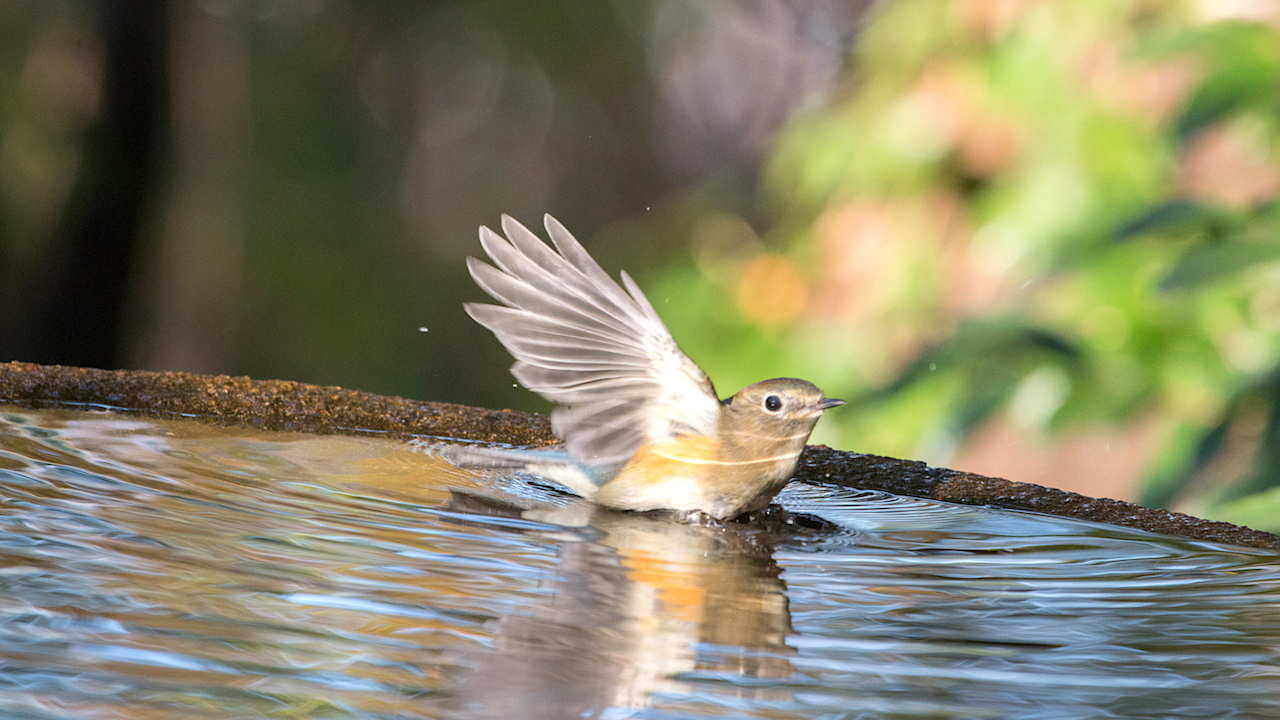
point(153, 569)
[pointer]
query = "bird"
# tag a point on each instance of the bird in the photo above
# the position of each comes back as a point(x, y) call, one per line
point(640, 423)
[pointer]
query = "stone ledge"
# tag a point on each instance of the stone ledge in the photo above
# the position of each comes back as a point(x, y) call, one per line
point(821, 464)
point(266, 404)
point(299, 407)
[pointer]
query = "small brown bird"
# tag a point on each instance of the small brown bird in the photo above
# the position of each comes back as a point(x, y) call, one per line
point(641, 424)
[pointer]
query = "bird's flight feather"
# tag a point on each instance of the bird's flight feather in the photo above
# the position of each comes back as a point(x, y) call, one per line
point(582, 341)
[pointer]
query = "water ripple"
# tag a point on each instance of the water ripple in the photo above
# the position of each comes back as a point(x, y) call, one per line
point(178, 570)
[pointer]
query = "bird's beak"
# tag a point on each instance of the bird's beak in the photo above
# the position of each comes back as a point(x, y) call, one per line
point(828, 403)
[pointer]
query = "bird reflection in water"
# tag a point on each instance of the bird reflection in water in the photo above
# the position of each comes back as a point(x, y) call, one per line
point(635, 601)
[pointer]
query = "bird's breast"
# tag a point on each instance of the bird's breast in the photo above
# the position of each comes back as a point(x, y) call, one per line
point(691, 473)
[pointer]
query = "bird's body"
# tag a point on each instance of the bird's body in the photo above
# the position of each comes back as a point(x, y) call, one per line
point(641, 424)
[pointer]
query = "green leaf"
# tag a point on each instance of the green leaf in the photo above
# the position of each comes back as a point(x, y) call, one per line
point(1260, 511)
point(1177, 216)
point(1008, 343)
point(1170, 482)
point(1246, 73)
point(1213, 261)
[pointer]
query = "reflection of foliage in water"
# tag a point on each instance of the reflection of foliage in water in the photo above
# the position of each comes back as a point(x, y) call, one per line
point(1024, 220)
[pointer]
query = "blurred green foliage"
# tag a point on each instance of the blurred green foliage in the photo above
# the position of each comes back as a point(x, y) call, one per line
point(1055, 219)
point(1050, 215)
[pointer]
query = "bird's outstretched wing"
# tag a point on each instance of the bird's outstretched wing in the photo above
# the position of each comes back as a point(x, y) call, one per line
point(581, 341)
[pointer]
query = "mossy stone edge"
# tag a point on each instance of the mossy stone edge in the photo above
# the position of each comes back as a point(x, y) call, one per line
point(300, 407)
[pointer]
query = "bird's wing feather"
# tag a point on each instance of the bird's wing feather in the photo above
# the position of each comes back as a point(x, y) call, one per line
point(582, 341)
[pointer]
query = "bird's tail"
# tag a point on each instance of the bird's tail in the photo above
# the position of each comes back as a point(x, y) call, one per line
point(479, 456)
point(553, 463)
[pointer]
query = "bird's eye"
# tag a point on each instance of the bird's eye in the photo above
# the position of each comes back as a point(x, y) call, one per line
point(773, 403)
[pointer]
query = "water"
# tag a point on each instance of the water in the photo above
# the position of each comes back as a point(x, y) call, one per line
point(157, 570)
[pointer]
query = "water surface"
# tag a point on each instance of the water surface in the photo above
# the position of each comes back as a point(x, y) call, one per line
point(153, 569)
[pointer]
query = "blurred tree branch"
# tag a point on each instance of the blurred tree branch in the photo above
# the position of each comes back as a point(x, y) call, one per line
point(69, 309)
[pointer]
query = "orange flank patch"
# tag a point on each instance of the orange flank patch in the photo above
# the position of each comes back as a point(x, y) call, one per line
point(677, 456)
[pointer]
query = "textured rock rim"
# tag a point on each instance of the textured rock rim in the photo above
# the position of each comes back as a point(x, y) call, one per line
point(300, 407)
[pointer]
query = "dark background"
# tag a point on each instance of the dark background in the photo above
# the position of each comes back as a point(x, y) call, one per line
point(288, 189)
point(1031, 239)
